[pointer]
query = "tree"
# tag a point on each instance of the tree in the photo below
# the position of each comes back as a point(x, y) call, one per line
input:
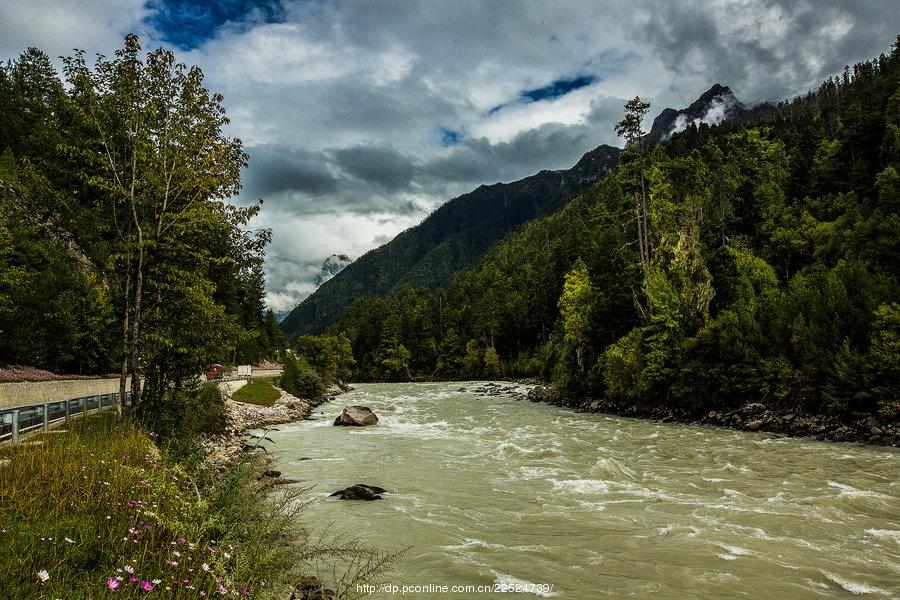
point(492, 362)
point(575, 309)
point(630, 128)
point(161, 160)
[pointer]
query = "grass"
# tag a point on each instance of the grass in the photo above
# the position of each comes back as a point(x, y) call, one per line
point(260, 391)
point(98, 512)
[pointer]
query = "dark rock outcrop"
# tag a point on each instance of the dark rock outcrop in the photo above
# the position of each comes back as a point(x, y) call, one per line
point(356, 416)
point(546, 394)
point(360, 491)
point(498, 389)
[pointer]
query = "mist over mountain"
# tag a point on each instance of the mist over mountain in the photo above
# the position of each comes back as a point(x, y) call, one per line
point(716, 105)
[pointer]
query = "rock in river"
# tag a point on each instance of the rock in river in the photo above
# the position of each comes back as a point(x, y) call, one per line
point(360, 491)
point(356, 416)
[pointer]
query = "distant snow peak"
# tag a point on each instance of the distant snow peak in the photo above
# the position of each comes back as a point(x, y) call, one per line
point(333, 265)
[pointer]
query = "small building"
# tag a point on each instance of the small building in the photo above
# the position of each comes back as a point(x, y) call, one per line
point(215, 371)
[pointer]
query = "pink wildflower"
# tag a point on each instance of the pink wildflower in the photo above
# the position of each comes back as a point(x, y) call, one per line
point(112, 583)
point(146, 586)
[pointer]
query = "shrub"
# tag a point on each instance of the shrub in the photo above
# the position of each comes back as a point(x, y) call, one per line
point(184, 416)
point(300, 380)
point(309, 385)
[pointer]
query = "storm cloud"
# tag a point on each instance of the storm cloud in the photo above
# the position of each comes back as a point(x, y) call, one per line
point(362, 117)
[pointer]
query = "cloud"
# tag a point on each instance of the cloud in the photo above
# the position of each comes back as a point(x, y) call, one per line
point(360, 118)
point(276, 169)
point(383, 166)
point(59, 27)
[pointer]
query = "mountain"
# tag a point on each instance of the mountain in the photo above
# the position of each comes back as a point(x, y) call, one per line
point(716, 105)
point(452, 238)
point(333, 265)
point(458, 233)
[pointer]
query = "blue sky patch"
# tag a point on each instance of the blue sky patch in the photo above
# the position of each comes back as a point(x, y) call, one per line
point(554, 90)
point(187, 24)
point(558, 88)
point(449, 137)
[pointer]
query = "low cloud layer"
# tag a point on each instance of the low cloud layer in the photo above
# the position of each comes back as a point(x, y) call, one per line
point(361, 118)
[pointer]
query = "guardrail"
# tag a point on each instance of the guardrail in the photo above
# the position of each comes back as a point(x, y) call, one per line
point(14, 422)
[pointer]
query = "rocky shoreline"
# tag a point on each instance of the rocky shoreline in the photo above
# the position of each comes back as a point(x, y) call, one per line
point(222, 451)
point(749, 417)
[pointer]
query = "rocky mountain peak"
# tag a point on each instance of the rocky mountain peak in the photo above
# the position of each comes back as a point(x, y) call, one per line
point(716, 105)
point(333, 265)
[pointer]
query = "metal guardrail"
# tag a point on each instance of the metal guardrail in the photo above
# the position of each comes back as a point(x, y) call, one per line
point(14, 422)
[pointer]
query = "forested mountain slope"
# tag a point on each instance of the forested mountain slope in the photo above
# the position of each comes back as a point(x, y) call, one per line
point(451, 239)
point(771, 273)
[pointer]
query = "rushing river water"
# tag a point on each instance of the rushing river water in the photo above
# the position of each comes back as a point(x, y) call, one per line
point(498, 491)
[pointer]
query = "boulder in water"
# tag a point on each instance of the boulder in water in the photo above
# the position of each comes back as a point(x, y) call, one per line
point(360, 491)
point(356, 416)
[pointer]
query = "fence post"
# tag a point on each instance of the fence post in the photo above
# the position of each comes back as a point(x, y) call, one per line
point(68, 410)
point(46, 417)
point(15, 426)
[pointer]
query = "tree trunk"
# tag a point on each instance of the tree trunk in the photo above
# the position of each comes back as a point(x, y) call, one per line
point(648, 239)
point(640, 228)
point(136, 327)
point(123, 372)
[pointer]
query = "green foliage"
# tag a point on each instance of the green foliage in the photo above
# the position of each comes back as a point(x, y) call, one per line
point(186, 415)
point(492, 364)
point(298, 379)
point(883, 361)
point(116, 244)
point(575, 308)
point(309, 385)
point(290, 373)
point(330, 356)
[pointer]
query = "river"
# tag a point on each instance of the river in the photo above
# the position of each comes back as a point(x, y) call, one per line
point(497, 491)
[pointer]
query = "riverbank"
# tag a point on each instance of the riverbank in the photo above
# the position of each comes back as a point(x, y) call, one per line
point(749, 417)
point(226, 449)
point(100, 510)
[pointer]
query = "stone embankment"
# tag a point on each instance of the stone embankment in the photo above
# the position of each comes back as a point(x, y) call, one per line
point(241, 418)
point(749, 417)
